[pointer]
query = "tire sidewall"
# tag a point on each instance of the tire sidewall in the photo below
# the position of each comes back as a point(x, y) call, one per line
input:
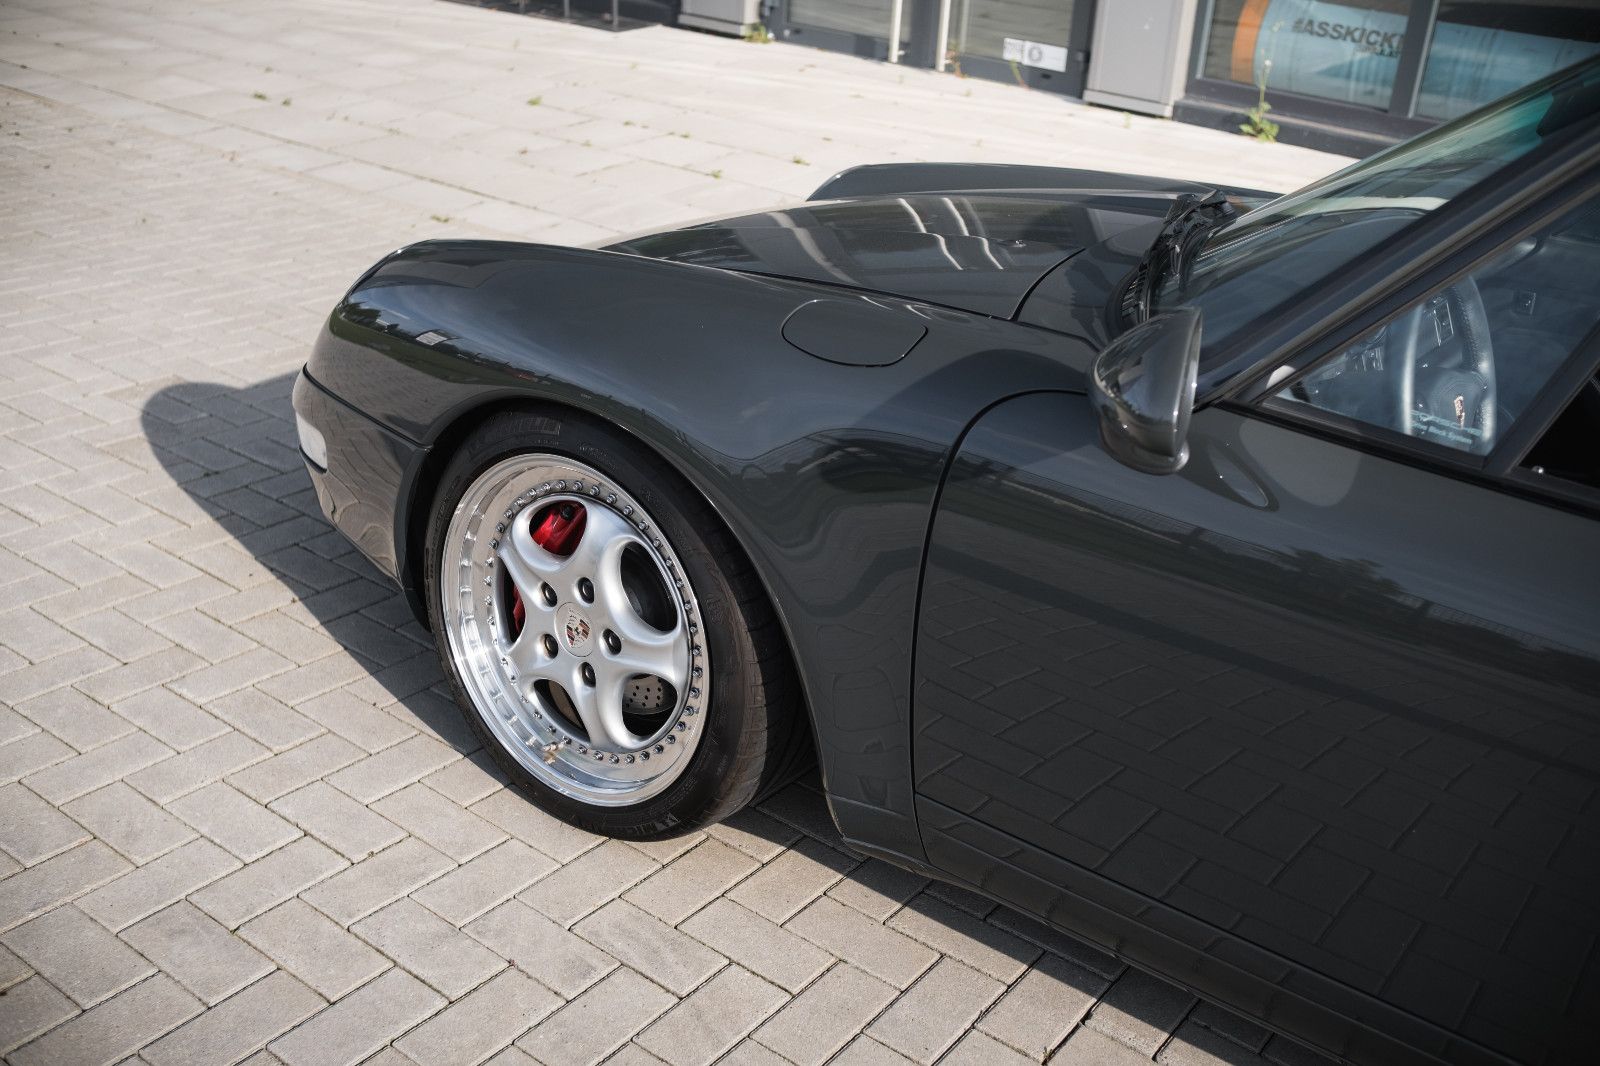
point(703, 782)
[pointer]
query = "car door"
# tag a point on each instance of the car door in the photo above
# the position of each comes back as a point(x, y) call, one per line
point(1314, 724)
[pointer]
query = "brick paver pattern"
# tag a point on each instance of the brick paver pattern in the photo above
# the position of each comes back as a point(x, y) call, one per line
point(239, 816)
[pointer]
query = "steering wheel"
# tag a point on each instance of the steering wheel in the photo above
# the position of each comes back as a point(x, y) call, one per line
point(1455, 404)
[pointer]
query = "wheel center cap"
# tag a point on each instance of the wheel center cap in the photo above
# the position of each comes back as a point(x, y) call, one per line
point(575, 631)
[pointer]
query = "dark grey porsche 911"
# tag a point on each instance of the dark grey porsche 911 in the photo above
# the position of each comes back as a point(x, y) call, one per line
point(1217, 579)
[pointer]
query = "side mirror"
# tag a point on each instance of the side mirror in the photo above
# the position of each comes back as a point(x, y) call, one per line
point(1142, 391)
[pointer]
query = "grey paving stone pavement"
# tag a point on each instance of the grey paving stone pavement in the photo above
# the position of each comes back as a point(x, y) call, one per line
point(239, 817)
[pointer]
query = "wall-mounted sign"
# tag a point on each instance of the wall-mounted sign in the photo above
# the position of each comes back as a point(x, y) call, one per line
point(1034, 54)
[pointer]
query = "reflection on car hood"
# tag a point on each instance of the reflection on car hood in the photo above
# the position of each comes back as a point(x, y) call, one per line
point(979, 252)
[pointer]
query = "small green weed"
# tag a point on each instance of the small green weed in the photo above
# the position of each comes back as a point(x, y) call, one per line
point(1256, 123)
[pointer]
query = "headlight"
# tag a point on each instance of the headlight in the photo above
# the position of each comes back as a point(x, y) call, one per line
point(312, 442)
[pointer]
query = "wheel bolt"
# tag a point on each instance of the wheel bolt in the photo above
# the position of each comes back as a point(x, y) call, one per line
point(587, 672)
point(549, 643)
point(586, 590)
point(613, 643)
point(547, 594)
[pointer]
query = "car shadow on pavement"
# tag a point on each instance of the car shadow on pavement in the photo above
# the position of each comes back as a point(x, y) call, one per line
point(233, 453)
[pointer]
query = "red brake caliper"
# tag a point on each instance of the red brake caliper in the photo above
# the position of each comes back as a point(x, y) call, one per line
point(557, 531)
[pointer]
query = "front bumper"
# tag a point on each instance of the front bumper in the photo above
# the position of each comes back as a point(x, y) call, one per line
point(367, 478)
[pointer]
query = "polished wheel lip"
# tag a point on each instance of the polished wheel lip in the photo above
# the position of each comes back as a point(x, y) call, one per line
point(487, 539)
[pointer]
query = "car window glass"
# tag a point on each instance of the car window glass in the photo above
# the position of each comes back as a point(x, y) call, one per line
point(1276, 252)
point(1459, 367)
point(1570, 448)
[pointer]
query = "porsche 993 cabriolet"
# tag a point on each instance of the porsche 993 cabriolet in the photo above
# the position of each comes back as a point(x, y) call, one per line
point(1211, 575)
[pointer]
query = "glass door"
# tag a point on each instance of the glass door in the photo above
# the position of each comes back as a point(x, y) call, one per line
point(1043, 44)
point(859, 27)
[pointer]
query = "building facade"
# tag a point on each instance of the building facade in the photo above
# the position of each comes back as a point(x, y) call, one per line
point(1344, 75)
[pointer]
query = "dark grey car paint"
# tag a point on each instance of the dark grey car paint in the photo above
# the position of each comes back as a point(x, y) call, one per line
point(898, 179)
point(854, 332)
point(1432, 735)
point(826, 473)
point(979, 252)
point(1293, 703)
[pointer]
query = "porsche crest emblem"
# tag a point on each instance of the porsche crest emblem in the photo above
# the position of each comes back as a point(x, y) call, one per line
point(575, 630)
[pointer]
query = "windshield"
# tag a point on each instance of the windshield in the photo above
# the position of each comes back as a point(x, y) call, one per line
point(1257, 262)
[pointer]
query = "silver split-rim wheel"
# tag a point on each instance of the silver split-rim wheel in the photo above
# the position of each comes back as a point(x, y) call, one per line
point(579, 647)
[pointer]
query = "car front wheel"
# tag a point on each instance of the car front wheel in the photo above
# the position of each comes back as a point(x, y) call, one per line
point(604, 635)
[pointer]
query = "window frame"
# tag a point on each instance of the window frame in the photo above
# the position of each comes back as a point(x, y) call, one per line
point(1501, 467)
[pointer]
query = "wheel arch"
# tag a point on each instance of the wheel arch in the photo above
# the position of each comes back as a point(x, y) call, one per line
point(417, 504)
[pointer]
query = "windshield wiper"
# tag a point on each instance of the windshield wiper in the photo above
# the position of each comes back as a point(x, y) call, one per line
point(1191, 217)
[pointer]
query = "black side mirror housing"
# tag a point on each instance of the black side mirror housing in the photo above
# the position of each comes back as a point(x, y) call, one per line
point(1142, 390)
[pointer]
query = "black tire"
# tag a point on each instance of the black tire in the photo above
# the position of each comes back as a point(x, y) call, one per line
point(754, 734)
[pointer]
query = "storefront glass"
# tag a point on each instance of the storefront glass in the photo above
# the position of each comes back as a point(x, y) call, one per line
point(1483, 49)
point(867, 18)
point(1350, 50)
point(1347, 51)
point(1035, 33)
